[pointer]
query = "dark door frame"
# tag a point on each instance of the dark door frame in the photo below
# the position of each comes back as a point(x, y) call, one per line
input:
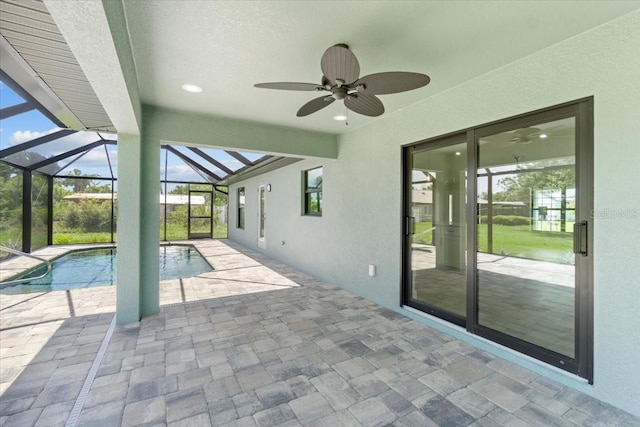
point(582, 111)
point(191, 235)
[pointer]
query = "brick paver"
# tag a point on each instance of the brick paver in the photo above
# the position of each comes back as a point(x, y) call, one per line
point(257, 343)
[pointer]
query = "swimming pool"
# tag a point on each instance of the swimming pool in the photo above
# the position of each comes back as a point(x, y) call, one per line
point(87, 268)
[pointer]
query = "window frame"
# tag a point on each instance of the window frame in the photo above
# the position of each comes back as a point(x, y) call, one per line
point(307, 192)
point(240, 213)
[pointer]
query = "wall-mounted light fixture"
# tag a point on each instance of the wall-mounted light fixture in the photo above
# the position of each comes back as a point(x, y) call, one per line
point(269, 188)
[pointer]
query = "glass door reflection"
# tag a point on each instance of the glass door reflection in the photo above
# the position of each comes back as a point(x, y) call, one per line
point(438, 250)
point(526, 203)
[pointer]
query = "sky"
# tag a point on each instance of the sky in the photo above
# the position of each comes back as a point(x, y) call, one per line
point(33, 124)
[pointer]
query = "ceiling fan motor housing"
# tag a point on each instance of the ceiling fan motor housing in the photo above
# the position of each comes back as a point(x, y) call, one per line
point(339, 93)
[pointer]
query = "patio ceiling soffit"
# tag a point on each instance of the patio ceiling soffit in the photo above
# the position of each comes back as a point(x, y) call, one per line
point(36, 57)
point(113, 77)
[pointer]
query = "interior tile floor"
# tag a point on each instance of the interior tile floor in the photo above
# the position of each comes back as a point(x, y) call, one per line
point(528, 299)
point(257, 343)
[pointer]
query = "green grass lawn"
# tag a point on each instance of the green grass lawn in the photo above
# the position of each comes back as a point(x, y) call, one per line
point(73, 238)
point(220, 231)
point(520, 241)
point(174, 232)
point(515, 240)
point(179, 231)
point(420, 233)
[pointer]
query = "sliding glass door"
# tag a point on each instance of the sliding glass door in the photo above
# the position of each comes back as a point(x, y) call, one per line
point(515, 266)
point(437, 228)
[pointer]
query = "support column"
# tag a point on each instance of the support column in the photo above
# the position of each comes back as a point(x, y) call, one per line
point(150, 226)
point(137, 292)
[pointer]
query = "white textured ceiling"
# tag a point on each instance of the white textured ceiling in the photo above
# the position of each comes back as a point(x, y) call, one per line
point(226, 47)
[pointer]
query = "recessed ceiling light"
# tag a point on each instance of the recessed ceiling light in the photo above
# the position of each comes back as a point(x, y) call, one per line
point(191, 88)
point(458, 153)
point(543, 135)
point(340, 117)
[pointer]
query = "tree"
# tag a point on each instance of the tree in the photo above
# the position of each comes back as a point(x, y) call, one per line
point(518, 187)
point(89, 216)
point(179, 189)
point(7, 171)
point(221, 199)
point(11, 195)
point(94, 188)
point(80, 184)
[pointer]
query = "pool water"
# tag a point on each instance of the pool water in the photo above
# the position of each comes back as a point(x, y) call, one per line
point(97, 267)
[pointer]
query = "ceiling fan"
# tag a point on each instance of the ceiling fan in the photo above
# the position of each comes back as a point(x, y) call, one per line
point(341, 77)
point(529, 134)
point(526, 135)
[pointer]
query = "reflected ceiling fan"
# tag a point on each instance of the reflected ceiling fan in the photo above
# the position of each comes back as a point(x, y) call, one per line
point(529, 134)
point(526, 135)
point(341, 77)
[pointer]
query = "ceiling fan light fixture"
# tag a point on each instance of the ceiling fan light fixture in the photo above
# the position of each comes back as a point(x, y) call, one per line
point(543, 136)
point(340, 117)
point(191, 88)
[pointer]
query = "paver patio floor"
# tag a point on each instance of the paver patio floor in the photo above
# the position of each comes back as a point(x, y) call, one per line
point(257, 343)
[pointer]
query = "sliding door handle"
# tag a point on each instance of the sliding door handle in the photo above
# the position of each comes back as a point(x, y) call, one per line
point(580, 237)
point(408, 225)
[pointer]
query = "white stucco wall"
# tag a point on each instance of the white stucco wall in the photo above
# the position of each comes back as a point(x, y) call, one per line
point(362, 191)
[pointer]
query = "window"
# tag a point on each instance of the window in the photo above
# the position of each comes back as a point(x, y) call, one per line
point(241, 207)
point(312, 189)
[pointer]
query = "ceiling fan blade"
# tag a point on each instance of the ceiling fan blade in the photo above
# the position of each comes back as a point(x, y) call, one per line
point(392, 82)
point(339, 63)
point(500, 138)
point(559, 130)
point(314, 105)
point(367, 105)
point(290, 86)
